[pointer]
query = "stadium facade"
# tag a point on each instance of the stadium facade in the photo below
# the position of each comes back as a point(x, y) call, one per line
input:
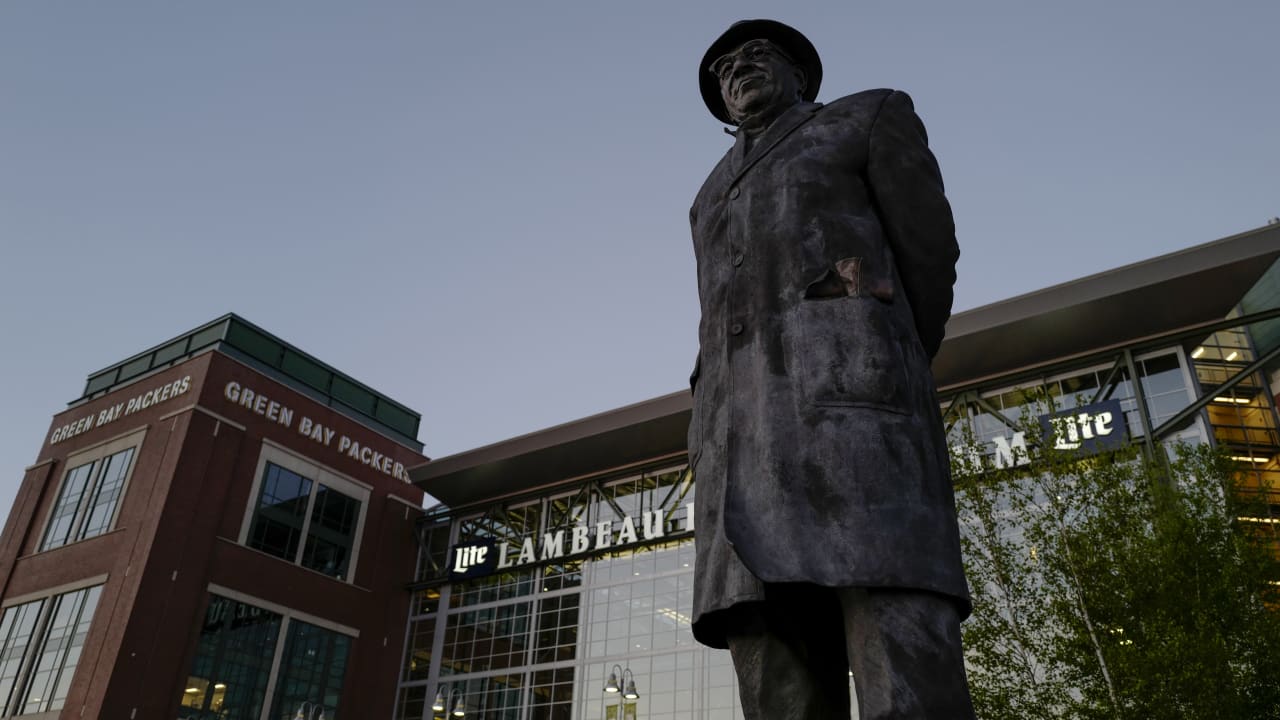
point(223, 526)
point(560, 558)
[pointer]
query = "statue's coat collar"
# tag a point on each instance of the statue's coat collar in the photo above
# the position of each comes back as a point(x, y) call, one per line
point(740, 160)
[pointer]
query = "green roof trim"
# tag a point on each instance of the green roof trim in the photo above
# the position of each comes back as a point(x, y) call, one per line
point(241, 339)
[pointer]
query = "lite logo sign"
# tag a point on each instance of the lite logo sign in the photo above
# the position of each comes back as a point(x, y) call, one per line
point(473, 560)
point(476, 559)
point(1086, 430)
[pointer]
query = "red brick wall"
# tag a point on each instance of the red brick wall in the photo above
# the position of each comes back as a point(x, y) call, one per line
point(177, 532)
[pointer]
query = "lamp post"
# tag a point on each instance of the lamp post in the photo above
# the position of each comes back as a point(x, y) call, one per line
point(442, 700)
point(622, 681)
point(307, 709)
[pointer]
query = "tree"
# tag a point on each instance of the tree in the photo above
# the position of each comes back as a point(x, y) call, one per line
point(1118, 586)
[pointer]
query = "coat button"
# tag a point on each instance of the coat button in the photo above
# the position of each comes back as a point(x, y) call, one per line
point(734, 193)
point(737, 259)
point(736, 328)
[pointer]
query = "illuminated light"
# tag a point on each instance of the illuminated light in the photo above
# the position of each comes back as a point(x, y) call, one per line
point(220, 686)
point(1234, 354)
point(671, 614)
point(1268, 521)
point(1250, 458)
point(1238, 401)
point(1198, 352)
point(193, 690)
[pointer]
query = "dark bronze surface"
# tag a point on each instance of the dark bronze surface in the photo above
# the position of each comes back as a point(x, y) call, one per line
point(826, 258)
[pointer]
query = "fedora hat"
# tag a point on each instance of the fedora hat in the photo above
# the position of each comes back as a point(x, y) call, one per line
point(784, 36)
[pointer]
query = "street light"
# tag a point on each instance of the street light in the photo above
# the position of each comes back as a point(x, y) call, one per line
point(307, 708)
point(459, 708)
point(628, 685)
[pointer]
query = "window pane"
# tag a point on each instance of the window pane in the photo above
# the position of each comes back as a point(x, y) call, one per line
point(417, 662)
point(331, 535)
point(101, 381)
point(106, 494)
point(16, 627)
point(170, 352)
point(63, 518)
point(255, 344)
point(228, 675)
point(59, 653)
point(282, 509)
point(137, 367)
point(311, 671)
point(352, 395)
point(207, 336)
point(306, 370)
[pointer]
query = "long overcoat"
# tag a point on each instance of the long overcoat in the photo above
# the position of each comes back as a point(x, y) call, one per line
point(826, 257)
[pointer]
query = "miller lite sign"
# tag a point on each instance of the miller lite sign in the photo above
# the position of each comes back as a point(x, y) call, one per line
point(1086, 430)
point(472, 560)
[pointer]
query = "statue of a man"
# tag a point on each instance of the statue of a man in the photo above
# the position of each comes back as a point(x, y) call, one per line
point(827, 535)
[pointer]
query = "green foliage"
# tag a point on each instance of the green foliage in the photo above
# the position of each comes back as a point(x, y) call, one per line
point(1117, 587)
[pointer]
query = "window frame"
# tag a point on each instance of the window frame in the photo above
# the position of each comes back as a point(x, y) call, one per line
point(39, 638)
point(288, 616)
point(96, 454)
point(318, 474)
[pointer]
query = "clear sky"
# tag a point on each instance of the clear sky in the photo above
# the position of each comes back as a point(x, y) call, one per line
point(480, 208)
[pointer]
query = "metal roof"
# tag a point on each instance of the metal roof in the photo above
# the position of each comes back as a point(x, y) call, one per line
point(1180, 290)
point(241, 339)
point(1165, 294)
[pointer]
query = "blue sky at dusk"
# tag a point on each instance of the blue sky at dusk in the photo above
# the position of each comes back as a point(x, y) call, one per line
point(481, 209)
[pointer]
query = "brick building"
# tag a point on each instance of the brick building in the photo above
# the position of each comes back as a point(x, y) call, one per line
point(219, 527)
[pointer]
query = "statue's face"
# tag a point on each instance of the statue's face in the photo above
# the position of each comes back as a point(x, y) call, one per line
point(757, 78)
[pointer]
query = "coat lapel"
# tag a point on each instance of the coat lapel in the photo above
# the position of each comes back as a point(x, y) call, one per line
point(738, 154)
point(794, 117)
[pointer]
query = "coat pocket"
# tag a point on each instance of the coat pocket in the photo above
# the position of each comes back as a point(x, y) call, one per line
point(849, 354)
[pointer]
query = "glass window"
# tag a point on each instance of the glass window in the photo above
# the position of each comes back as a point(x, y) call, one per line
point(433, 544)
point(281, 514)
point(311, 670)
point(306, 521)
point(488, 639)
point(332, 532)
point(67, 506)
point(412, 703)
point(16, 629)
point(535, 641)
point(512, 527)
point(40, 646)
point(59, 653)
point(422, 635)
point(87, 501)
point(228, 676)
point(106, 495)
point(232, 669)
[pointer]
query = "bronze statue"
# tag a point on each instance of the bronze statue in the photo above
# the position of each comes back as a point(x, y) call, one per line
point(827, 534)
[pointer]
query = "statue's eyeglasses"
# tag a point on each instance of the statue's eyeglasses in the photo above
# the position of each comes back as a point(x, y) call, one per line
point(752, 50)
